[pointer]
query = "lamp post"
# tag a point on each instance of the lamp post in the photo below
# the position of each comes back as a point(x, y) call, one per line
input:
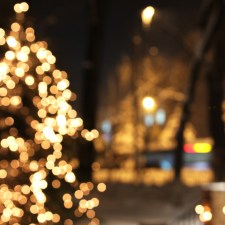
point(146, 16)
point(149, 105)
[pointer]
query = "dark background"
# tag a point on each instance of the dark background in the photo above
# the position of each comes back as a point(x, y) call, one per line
point(65, 26)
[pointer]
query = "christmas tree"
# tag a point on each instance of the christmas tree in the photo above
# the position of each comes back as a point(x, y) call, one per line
point(38, 127)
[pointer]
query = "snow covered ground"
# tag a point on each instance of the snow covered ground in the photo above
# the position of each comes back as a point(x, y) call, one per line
point(124, 204)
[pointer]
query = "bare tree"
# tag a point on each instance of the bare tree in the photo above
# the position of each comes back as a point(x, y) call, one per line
point(216, 94)
point(90, 85)
point(211, 17)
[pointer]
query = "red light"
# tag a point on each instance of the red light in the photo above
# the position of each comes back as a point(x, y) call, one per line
point(189, 148)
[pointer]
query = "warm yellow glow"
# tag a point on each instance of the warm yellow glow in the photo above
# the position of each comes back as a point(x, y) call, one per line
point(63, 84)
point(4, 69)
point(61, 120)
point(56, 218)
point(101, 187)
point(148, 103)
point(3, 91)
point(199, 209)
point(147, 15)
point(45, 66)
point(3, 173)
point(10, 84)
point(41, 54)
point(34, 166)
point(25, 49)
point(42, 87)
point(2, 33)
point(19, 72)
point(51, 59)
point(29, 80)
point(11, 41)
point(205, 216)
point(22, 7)
point(10, 55)
point(15, 100)
point(2, 40)
point(30, 30)
point(22, 56)
point(15, 27)
point(95, 133)
point(202, 147)
point(48, 119)
point(70, 177)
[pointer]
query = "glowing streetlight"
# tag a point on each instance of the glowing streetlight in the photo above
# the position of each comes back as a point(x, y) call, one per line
point(147, 15)
point(148, 103)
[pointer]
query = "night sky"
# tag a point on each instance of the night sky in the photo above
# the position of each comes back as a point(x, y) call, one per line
point(65, 26)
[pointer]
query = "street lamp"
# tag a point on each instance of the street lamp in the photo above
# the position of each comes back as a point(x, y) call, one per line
point(146, 16)
point(149, 103)
point(149, 106)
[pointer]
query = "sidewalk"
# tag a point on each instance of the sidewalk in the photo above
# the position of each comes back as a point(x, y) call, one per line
point(146, 205)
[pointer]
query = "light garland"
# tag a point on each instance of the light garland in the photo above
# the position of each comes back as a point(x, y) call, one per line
point(36, 117)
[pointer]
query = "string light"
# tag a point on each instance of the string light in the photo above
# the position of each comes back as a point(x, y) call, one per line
point(40, 117)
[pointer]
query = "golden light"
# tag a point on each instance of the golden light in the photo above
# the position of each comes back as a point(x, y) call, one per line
point(42, 88)
point(57, 74)
point(202, 147)
point(148, 103)
point(5, 101)
point(56, 218)
point(199, 209)
point(33, 165)
point(10, 84)
point(205, 216)
point(41, 218)
point(63, 84)
point(2, 33)
point(4, 69)
point(101, 187)
point(147, 15)
point(78, 194)
point(61, 120)
point(51, 59)
point(21, 7)
point(77, 122)
point(10, 55)
point(2, 40)
point(95, 133)
point(42, 53)
point(29, 66)
point(29, 80)
point(22, 56)
point(3, 174)
point(24, 6)
point(46, 66)
point(70, 177)
point(11, 41)
point(19, 72)
point(15, 100)
point(3, 91)
point(15, 27)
